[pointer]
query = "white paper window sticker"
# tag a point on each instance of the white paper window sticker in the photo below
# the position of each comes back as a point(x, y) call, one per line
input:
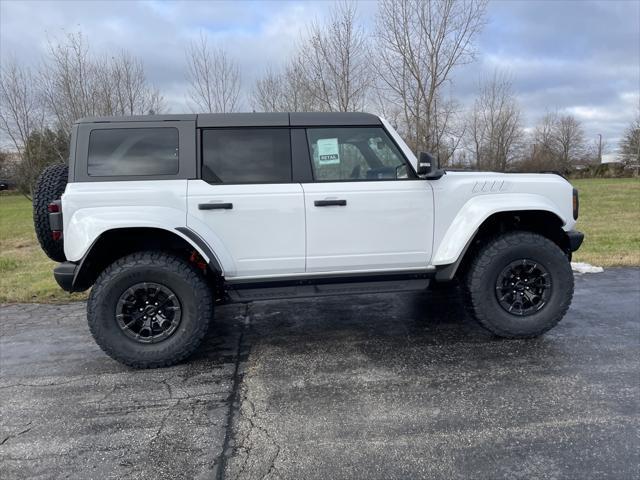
point(328, 151)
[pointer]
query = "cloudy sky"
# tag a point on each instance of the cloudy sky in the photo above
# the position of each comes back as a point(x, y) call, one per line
point(575, 56)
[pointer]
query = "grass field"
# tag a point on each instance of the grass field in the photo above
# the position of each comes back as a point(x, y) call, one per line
point(610, 220)
point(609, 216)
point(25, 271)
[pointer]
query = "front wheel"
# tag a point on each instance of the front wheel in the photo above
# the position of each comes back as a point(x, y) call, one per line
point(149, 309)
point(519, 285)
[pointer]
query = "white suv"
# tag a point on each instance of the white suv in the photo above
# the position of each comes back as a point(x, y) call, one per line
point(166, 216)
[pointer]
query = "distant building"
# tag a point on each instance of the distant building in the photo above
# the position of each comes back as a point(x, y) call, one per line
point(610, 158)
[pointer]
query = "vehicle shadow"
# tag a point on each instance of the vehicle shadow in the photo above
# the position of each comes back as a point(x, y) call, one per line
point(390, 328)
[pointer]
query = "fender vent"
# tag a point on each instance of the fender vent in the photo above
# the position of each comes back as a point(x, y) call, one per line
point(489, 186)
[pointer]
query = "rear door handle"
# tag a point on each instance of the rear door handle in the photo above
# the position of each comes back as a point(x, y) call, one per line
point(215, 206)
point(329, 203)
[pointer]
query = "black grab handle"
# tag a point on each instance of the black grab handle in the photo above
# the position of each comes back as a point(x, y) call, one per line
point(328, 203)
point(215, 206)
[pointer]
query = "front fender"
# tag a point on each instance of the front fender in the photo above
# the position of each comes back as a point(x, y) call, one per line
point(476, 210)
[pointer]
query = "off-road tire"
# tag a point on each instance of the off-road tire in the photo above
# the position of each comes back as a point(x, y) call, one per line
point(479, 284)
point(190, 288)
point(49, 187)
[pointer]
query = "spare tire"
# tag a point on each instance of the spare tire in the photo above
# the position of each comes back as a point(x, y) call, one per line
point(49, 187)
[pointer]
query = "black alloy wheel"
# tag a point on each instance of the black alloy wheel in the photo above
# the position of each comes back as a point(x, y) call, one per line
point(148, 312)
point(523, 287)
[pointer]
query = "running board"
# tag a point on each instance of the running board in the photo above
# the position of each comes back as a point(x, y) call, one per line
point(322, 287)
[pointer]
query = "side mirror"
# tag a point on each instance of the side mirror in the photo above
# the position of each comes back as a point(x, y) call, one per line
point(429, 167)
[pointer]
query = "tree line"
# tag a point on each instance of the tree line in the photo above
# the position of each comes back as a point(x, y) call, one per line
point(401, 68)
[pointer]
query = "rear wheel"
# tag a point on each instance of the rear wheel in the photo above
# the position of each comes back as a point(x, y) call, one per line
point(150, 309)
point(519, 285)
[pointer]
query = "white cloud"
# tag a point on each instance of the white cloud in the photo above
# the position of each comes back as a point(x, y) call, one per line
point(583, 59)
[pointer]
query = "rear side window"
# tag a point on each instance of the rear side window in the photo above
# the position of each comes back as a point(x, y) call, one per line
point(246, 155)
point(133, 151)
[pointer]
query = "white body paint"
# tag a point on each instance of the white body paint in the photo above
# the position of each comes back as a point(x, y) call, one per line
point(275, 230)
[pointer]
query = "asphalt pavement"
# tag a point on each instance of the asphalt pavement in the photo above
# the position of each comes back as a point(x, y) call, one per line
point(369, 386)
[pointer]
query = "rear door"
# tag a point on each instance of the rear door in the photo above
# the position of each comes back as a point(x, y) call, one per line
point(245, 205)
point(366, 209)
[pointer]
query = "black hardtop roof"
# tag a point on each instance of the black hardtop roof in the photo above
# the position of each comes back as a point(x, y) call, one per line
point(293, 119)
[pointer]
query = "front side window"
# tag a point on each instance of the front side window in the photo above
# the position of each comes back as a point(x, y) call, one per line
point(246, 155)
point(355, 154)
point(133, 151)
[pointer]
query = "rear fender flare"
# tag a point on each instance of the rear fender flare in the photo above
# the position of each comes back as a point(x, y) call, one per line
point(87, 225)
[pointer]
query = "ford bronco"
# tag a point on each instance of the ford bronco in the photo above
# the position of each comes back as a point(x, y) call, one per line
point(166, 216)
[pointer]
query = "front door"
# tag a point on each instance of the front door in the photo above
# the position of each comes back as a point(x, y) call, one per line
point(365, 210)
point(245, 205)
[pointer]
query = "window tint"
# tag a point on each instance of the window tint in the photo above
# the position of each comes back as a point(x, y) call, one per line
point(133, 151)
point(354, 154)
point(246, 155)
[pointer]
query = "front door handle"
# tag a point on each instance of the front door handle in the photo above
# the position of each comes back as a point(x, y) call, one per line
point(215, 206)
point(329, 203)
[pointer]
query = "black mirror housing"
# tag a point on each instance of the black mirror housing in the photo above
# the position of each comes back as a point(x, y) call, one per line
point(426, 163)
point(429, 166)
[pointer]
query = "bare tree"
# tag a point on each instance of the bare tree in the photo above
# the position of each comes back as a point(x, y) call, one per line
point(542, 155)
point(44, 147)
point(37, 111)
point(21, 111)
point(268, 92)
point(448, 127)
point(126, 89)
point(214, 78)
point(568, 137)
point(592, 153)
point(69, 81)
point(286, 91)
point(381, 103)
point(630, 144)
point(21, 121)
point(495, 126)
point(335, 61)
point(420, 43)
point(74, 84)
point(558, 143)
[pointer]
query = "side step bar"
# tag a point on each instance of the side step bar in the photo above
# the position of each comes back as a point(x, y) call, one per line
point(320, 287)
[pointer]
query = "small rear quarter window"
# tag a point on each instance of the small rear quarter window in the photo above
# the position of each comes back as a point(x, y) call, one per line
point(133, 152)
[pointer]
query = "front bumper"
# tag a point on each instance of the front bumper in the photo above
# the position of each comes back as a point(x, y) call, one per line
point(575, 239)
point(65, 274)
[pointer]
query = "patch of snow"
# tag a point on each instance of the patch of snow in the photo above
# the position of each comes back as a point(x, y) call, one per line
point(580, 267)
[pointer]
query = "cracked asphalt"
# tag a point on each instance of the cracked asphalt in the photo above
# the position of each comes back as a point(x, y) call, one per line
point(373, 386)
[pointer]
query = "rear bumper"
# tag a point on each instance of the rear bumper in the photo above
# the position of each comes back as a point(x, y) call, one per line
point(65, 274)
point(575, 239)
